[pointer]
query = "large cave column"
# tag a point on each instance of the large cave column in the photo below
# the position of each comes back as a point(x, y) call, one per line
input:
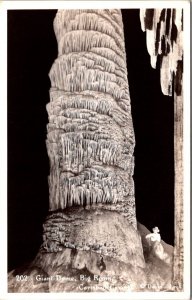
point(90, 140)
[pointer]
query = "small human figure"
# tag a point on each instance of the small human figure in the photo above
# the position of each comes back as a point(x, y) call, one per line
point(153, 237)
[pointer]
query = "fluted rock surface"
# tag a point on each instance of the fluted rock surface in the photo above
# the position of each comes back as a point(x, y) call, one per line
point(90, 144)
point(90, 138)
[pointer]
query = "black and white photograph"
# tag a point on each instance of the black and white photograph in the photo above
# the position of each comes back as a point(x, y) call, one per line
point(97, 149)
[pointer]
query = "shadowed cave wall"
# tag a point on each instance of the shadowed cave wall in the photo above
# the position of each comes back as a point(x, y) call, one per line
point(32, 49)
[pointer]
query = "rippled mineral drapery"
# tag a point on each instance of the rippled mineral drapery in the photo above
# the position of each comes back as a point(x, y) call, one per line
point(90, 138)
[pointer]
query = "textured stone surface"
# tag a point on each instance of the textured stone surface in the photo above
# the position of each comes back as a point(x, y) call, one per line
point(90, 138)
point(62, 271)
point(95, 230)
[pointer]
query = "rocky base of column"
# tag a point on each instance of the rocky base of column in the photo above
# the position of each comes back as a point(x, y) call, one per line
point(109, 261)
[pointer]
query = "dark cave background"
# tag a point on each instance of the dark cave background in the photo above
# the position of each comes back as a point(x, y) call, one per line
point(32, 49)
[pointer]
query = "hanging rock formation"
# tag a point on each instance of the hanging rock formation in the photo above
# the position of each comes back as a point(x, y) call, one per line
point(164, 35)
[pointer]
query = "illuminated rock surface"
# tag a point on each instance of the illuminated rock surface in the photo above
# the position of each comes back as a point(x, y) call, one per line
point(90, 138)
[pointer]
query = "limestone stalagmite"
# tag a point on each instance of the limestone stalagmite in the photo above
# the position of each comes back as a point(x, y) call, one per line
point(90, 144)
point(90, 138)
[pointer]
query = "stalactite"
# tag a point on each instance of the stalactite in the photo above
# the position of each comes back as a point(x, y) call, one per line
point(164, 34)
